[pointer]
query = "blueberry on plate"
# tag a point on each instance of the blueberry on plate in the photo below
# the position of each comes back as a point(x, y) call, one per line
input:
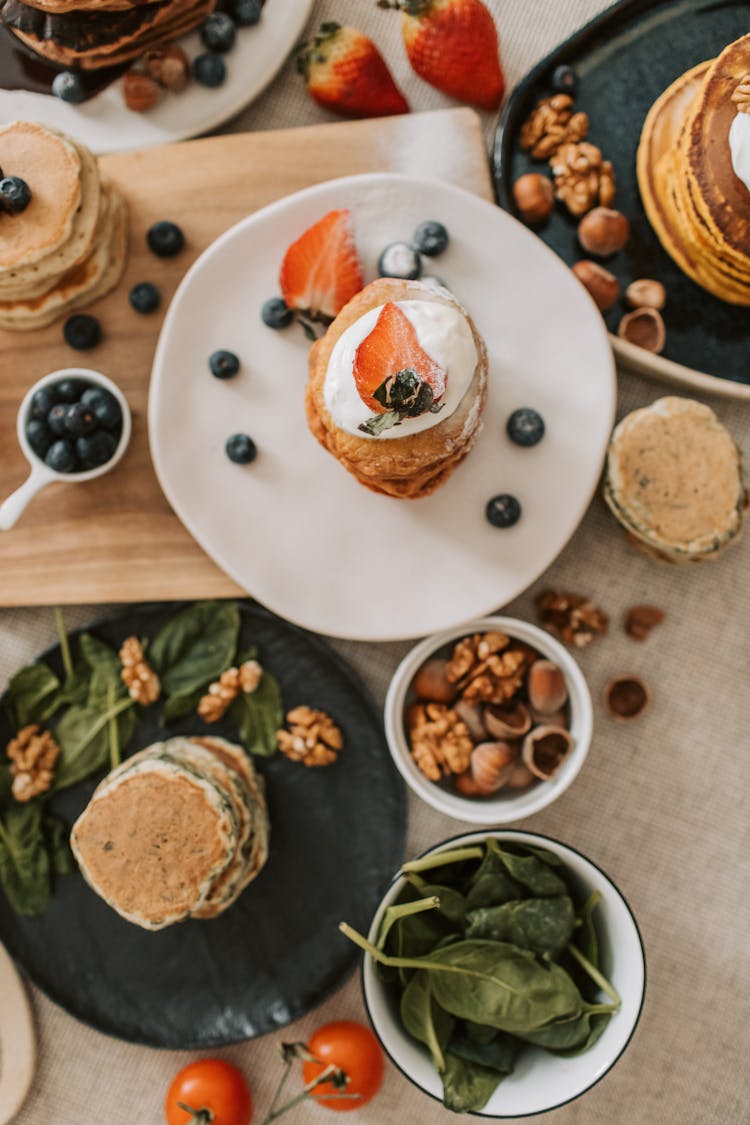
point(223, 364)
point(42, 401)
point(80, 419)
point(564, 80)
point(15, 195)
point(56, 419)
point(95, 449)
point(69, 87)
point(60, 456)
point(241, 449)
point(247, 12)
point(503, 510)
point(525, 426)
point(38, 436)
point(399, 259)
point(165, 239)
point(70, 390)
point(145, 297)
point(430, 238)
point(276, 313)
point(209, 69)
point(82, 331)
point(218, 32)
point(104, 405)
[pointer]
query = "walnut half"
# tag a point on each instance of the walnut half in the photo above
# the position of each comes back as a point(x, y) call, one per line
point(312, 738)
point(550, 124)
point(33, 753)
point(582, 178)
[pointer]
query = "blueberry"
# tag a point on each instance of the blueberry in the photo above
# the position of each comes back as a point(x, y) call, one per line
point(223, 364)
point(42, 401)
point(400, 260)
point(209, 70)
point(241, 449)
point(247, 12)
point(430, 238)
point(70, 390)
point(38, 436)
point(82, 331)
point(564, 80)
point(60, 456)
point(69, 87)
point(95, 449)
point(218, 32)
point(503, 510)
point(145, 297)
point(56, 419)
point(525, 426)
point(276, 313)
point(165, 239)
point(15, 195)
point(105, 406)
point(80, 419)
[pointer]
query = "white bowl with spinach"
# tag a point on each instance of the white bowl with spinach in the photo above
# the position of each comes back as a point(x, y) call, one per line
point(504, 973)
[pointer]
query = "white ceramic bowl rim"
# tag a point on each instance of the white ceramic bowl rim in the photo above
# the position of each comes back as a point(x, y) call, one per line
point(467, 838)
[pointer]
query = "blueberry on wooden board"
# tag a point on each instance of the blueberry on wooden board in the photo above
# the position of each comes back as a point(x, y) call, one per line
point(145, 297)
point(165, 239)
point(82, 331)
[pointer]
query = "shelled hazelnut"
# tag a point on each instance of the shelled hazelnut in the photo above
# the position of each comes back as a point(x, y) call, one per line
point(645, 293)
point(534, 197)
point(602, 285)
point(644, 328)
point(169, 66)
point(603, 231)
point(140, 92)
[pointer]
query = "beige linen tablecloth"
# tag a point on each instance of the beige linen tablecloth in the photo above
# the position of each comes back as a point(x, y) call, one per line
point(661, 804)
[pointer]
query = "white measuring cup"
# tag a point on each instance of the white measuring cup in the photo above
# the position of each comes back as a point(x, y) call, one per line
point(41, 474)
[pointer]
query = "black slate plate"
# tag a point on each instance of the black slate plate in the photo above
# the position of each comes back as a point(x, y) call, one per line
point(625, 58)
point(337, 836)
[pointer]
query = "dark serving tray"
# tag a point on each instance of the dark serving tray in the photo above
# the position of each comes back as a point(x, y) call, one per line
point(625, 58)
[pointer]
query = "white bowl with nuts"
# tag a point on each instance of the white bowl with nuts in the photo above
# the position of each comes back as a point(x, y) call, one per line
point(489, 722)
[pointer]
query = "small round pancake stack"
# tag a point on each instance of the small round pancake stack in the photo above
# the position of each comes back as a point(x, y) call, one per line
point(70, 244)
point(177, 831)
point(673, 479)
point(698, 206)
point(90, 34)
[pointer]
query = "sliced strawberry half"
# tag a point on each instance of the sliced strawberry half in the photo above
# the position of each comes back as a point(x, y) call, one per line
point(394, 375)
point(321, 270)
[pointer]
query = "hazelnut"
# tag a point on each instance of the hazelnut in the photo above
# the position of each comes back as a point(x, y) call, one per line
point(140, 92)
point(603, 231)
point(601, 284)
point(534, 197)
point(546, 686)
point(466, 785)
point(491, 762)
point(645, 293)
point(644, 328)
point(545, 749)
point(431, 683)
point(168, 66)
point(627, 697)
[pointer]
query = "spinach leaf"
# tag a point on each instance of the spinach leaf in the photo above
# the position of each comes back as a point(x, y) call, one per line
point(498, 1053)
point(478, 1032)
point(83, 738)
point(451, 905)
point(196, 646)
point(258, 715)
point(586, 939)
point(569, 1037)
point(100, 657)
point(532, 873)
point(424, 1020)
point(467, 1086)
point(30, 696)
point(491, 884)
point(56, 837)
point(542, 925)
point(597, 1023)
point(24, 860)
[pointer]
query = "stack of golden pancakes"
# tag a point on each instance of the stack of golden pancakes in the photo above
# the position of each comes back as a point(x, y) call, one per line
point(695, 201)
point(69, 246)
point(89, 34)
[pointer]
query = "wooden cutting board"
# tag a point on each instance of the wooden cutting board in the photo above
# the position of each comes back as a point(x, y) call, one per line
point(116, 538)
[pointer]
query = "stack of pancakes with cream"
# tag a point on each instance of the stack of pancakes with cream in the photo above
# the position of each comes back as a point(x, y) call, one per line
point(177, 831)
point(69, 246)
point(90, 34)
point(694, 172)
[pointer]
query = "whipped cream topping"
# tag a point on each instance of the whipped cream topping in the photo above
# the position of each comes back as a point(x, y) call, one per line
point(739, 144)
point(444, 333)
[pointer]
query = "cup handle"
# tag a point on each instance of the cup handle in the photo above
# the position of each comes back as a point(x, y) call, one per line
point(11, 509)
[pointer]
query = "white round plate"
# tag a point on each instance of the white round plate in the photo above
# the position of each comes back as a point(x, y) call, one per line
point(294, 528)
point(105, 124)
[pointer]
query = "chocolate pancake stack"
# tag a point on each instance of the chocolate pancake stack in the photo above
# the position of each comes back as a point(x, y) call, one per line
point(90, 34)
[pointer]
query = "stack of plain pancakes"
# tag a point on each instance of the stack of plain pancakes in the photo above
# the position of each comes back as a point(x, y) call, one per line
point(698, 207)
point(70, 244)
point(89, 34)
point(177, 831)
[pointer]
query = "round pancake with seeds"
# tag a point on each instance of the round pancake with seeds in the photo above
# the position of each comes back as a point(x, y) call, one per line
point(152, 841)
point(673, 479)
point(50, 165)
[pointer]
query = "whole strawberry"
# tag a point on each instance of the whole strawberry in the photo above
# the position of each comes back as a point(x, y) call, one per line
point(453, 45)
point(346, 73)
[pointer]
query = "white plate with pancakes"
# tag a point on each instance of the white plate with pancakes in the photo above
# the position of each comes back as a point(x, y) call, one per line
point(294, 528)
point(105, 124)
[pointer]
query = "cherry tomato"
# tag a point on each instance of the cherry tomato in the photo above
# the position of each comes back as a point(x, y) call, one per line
point(356, 1051)
point(215, 1091)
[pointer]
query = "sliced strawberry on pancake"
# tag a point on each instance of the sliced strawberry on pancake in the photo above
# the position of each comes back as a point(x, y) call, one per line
point(395, 376)
point(321, 271)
